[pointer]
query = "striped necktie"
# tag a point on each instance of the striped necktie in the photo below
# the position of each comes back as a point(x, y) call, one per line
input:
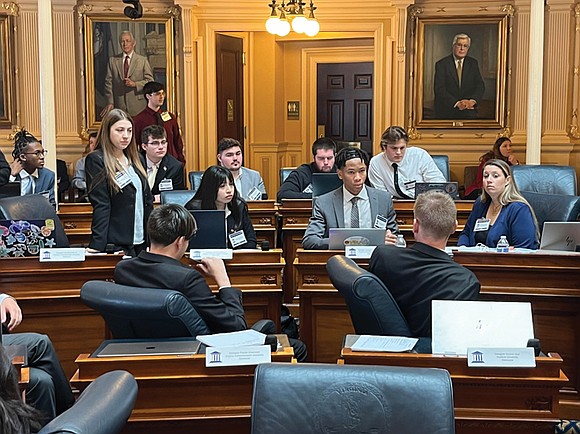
point(354, 218)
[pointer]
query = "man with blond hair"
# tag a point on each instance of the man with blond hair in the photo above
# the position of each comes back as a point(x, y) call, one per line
point(424, 272)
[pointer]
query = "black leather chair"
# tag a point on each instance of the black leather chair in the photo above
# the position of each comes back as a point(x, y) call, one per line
point(322, 398)
point(550, 179)
point(33, 207)
point(284, 172)
point(553, 207)
point(180, 197)
point(194, 180)
point(103, 408)
point(372, 308)
point(442, 162)
point(143, 313)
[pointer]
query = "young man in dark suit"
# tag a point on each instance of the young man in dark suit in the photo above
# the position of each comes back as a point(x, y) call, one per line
point(164, 172)
point(374, 207)
point(424, 272)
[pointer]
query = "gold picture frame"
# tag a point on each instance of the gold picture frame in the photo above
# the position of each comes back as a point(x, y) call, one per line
point(154, 36)
point(7, 70)
point(434, 101)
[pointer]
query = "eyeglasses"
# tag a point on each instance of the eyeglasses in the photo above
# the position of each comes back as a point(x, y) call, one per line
point(160, 93)
point(39, 154)
point(158, 143)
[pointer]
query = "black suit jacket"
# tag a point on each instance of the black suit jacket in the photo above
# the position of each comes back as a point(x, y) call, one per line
point(113, 213)
point(4, 170)
point(169, 168)
point(419, 274)
point(222, 313)
point(448, 91)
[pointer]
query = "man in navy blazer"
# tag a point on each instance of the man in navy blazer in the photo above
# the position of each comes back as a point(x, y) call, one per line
point(458, 83)
point(164, 172)
point(374, 207)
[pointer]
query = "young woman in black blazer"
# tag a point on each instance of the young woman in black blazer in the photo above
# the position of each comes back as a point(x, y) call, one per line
point(218, 191)
point(117, 188)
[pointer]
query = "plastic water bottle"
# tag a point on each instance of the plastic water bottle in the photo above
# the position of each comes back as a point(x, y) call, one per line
point(401, 241)
point(502, 245)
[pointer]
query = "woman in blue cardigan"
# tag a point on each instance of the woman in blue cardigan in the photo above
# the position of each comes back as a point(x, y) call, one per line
point(500, 210)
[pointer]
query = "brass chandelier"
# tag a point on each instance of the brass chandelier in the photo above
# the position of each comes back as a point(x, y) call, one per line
point(293, 14)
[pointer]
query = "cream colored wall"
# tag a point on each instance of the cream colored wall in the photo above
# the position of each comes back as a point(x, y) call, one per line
point(277, 72)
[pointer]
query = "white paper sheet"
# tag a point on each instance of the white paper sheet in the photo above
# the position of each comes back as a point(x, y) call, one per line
point(233, 339)
point(391, 344)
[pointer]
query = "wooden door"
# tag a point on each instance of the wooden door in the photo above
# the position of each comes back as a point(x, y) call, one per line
point(345, 102)
point(229, 83)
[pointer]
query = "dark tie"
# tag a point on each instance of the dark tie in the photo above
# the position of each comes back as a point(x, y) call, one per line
point(396, 179)
point(354, 222)
point(126, 67)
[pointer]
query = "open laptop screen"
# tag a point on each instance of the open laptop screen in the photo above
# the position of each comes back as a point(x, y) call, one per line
point(561, 236)
point(451, 188)
point(323, 183)
point(26, 237)
point(211, 229)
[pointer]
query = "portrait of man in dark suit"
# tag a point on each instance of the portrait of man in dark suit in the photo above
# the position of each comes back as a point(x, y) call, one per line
point(458, 84)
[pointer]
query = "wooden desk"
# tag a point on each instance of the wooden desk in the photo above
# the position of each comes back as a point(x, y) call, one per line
point(178, 394)
point(49, 295)
point(498, 400)
point(550, 282)
point(76, 219)
point(296, 214)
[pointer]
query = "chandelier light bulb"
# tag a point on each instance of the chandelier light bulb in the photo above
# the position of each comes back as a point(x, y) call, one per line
point(299, 24)
point(312, 27)
point(283, 27)
point(272, 25)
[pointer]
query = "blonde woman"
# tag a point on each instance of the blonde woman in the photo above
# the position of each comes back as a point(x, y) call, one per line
point(500, 210)
point(117, 188)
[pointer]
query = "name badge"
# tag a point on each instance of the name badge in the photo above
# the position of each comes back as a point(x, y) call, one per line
point(166, 184)
point(380, 222)
point(237, 238)
point(308, 189)
point(165, 116)
point(481, 224)
point(122, 179)
point(409, 185)
point(254, 194)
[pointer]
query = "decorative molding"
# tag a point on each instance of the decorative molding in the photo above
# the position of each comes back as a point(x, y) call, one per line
point(413, 133)
point(10, 7)
point(268, 279)
point(414, 11)
point(174, 12)
point(81, 10)
point(311, 279)
point(509, 10)
point(573, 131)
point(506, 132)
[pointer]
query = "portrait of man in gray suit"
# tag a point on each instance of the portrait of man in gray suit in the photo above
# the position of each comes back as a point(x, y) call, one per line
point(353, 205)
point(127, 73)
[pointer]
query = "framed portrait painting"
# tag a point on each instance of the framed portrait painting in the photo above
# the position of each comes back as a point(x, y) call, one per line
point(122, 55)
point(7, 90)
point(460, 72)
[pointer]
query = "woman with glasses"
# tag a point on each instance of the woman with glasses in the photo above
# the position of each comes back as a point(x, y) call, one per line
point(218, 191)
point(117, 188)
point(28, 167)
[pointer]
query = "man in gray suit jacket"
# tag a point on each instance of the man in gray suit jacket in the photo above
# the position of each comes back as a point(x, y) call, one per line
point(372, 207)
point(127, 73)
point(249, 183)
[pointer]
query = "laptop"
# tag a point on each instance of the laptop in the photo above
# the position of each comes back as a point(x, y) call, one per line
point(339, 238)
point(211, 230)
point(323, 183)
point(20, 238)
point(458, 325)
point(10, 189)
point(451, 188)
point(561, 236)
point(128, 348)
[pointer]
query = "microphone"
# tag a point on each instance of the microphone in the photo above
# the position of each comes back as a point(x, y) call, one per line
point(265, 245)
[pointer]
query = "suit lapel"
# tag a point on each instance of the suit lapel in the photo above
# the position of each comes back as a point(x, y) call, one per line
point(338, 207)
point(374, 202)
